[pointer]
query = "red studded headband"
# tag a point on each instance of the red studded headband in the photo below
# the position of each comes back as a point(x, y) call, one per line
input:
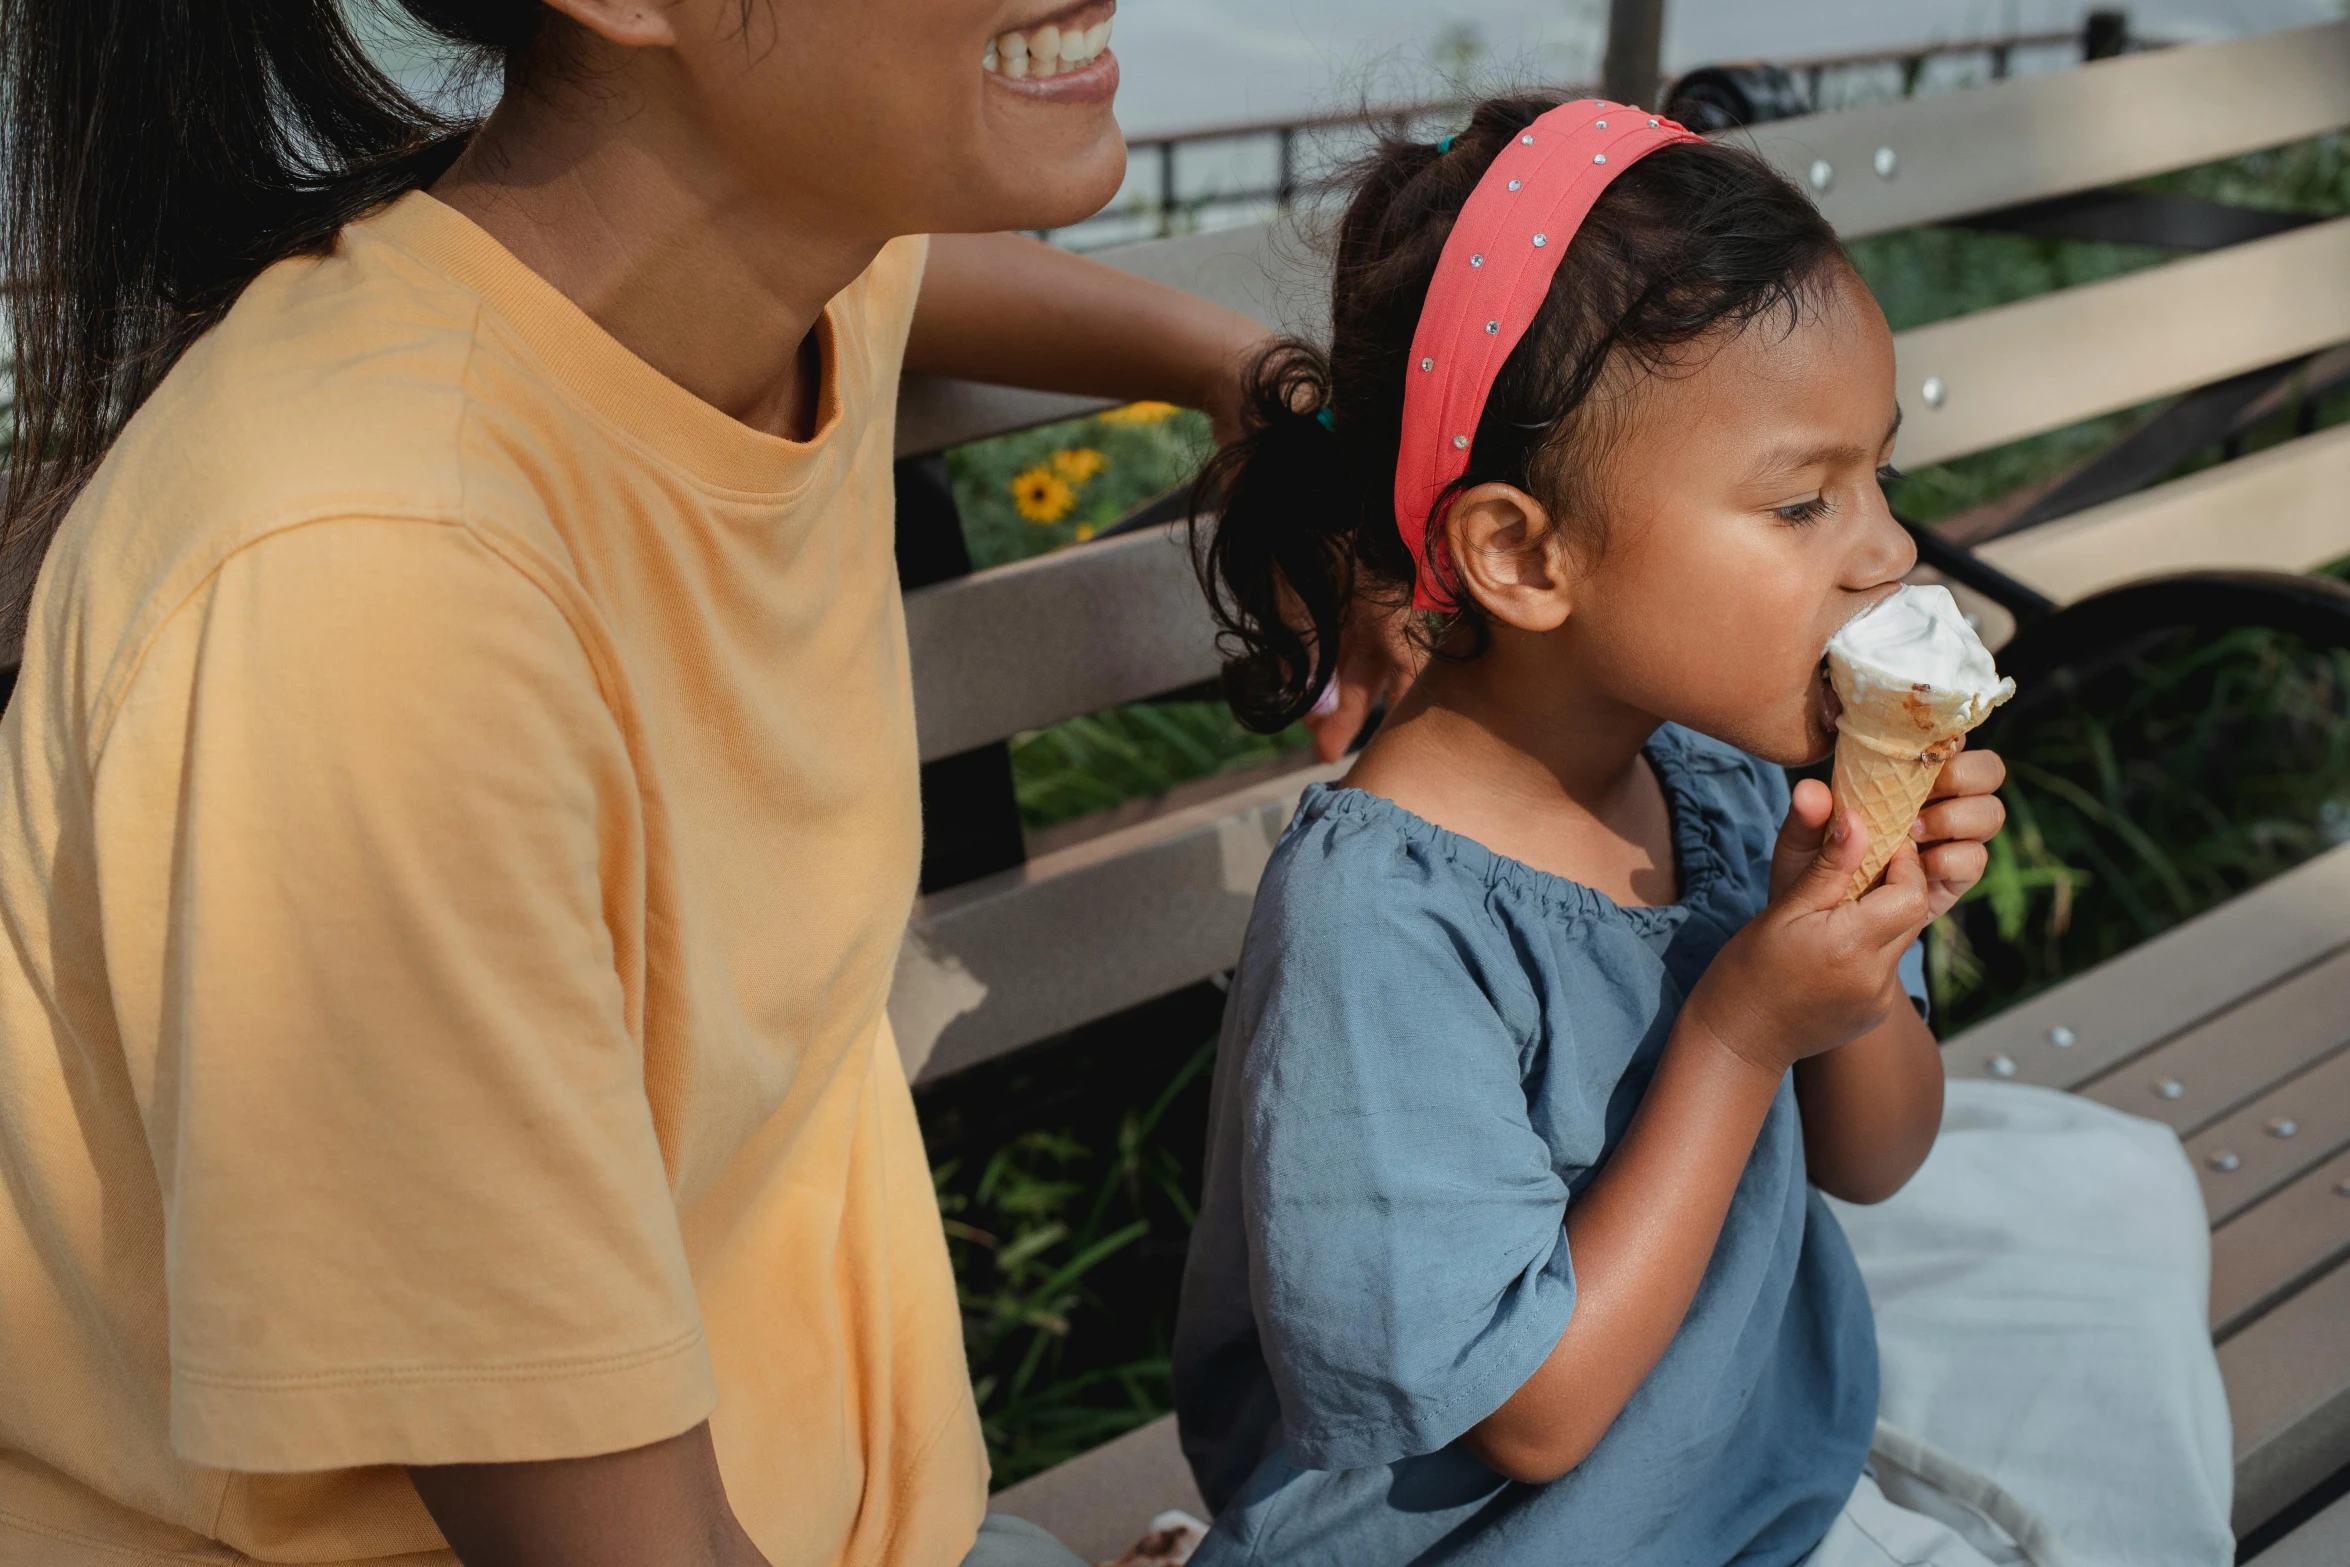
point(1495, 272)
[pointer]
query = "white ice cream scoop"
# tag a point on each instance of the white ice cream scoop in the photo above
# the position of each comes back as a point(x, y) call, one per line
point(1917, 645)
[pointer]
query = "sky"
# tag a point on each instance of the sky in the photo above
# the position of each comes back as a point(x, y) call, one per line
point(1190, 63)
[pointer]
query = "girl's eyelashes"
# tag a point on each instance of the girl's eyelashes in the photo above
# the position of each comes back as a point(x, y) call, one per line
point(1888, 476)
point(1803, 512)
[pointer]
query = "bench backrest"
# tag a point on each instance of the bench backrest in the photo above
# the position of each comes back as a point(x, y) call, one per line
point(1120, 918)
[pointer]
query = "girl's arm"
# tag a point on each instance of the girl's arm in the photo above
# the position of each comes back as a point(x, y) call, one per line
point(1017, 312)
point(1808, 974)
point(1871, 1108)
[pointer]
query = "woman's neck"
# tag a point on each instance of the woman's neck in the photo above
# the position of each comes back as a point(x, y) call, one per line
point(717, 292)
point(1555, 779)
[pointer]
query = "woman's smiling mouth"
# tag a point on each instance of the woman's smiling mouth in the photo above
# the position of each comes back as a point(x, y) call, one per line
point(1065, 58)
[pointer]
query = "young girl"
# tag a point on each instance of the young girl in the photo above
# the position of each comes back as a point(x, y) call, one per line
point(1553, 1027)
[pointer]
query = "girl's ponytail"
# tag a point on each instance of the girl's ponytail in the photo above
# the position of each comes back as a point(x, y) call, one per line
point(1279, 566)
point(160, 155)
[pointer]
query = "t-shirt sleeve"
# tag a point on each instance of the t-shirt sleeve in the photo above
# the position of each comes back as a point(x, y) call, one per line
point(1404, 1221)
point(369, 853)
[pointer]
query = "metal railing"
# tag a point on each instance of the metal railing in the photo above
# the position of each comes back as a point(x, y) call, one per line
point(1265, 167)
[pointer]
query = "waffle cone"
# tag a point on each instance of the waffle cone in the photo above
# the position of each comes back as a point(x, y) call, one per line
point(1888, 788)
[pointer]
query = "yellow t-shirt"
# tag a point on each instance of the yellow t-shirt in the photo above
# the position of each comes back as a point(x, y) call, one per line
point(455, 830)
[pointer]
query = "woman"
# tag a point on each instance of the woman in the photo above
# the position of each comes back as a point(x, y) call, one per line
point(460, 797)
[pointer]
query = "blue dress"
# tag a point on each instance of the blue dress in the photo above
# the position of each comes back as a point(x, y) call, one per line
point(1428, 1052)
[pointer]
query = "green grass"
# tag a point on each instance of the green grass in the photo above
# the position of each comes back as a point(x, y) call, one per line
point(2139, 797)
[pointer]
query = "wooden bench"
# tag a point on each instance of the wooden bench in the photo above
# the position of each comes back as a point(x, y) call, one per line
point(2247, 1008)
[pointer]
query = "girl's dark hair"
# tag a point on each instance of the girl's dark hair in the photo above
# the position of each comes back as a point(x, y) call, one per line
point(160, 155)
point(1692, 239)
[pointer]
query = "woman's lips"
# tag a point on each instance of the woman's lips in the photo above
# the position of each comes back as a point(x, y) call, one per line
point(1094, 82)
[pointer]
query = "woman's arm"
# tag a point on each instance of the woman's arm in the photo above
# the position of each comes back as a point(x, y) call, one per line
point(657, 1506)
point(1015, 311)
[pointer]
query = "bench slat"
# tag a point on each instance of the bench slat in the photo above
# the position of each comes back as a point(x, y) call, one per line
point(1027, 645)
point(2164, 986)
point(992, 965)
point(2279, 1244)
point(2279, 510)
point(2324, 1541)
point(2055, 359)
point(2029, 138)
point(2243, 1157)
point(1099, 1504)
point(2288, 1382)
point(2214, 1067)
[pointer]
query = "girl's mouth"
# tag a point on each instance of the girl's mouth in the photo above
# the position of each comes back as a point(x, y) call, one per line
point(1825, 705)
point(1063, 59)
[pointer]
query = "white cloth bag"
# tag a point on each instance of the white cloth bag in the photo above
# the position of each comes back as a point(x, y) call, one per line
point(2050, 1395)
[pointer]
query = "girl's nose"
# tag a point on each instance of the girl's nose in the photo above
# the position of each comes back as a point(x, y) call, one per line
point(1884, 551)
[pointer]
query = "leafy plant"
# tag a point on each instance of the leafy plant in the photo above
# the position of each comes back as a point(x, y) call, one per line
point(1047, 1219)
point(2139, 797)
point(1128, 753)
point(1060, 484)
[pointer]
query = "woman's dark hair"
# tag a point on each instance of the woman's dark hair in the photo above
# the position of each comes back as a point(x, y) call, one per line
point(1691, 240)
point(161, 154)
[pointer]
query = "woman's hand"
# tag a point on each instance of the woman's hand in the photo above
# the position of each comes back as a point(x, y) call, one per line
point(1962, 814)
point(1811, 971)
point(1377, 662)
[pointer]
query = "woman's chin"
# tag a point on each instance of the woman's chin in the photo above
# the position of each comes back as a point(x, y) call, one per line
point(1070, 189)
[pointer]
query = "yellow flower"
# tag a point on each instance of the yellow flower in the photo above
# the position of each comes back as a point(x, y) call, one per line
point(1042, 496)
point(1138, 413)
point(1080, 465)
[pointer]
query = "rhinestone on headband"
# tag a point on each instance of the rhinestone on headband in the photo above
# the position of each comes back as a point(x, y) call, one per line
point(1599, 157)
point(1476, 261)
point(1541, 240)
point(1526, 140)
point(1460, 443)
point(1517, 184)
point(1427, 364)
point(1599, 125)
point(1492, 327)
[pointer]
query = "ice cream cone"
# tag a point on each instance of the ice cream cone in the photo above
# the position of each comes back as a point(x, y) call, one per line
point(1911, 678)
point(1888, 788)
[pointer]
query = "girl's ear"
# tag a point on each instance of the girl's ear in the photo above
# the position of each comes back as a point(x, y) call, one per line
point(1510, 557)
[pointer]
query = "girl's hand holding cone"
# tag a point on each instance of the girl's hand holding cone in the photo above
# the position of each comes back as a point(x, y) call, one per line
point(1814, 970)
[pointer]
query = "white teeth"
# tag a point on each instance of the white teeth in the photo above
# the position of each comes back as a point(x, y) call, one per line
point(987, 62)
point(1048, 51)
